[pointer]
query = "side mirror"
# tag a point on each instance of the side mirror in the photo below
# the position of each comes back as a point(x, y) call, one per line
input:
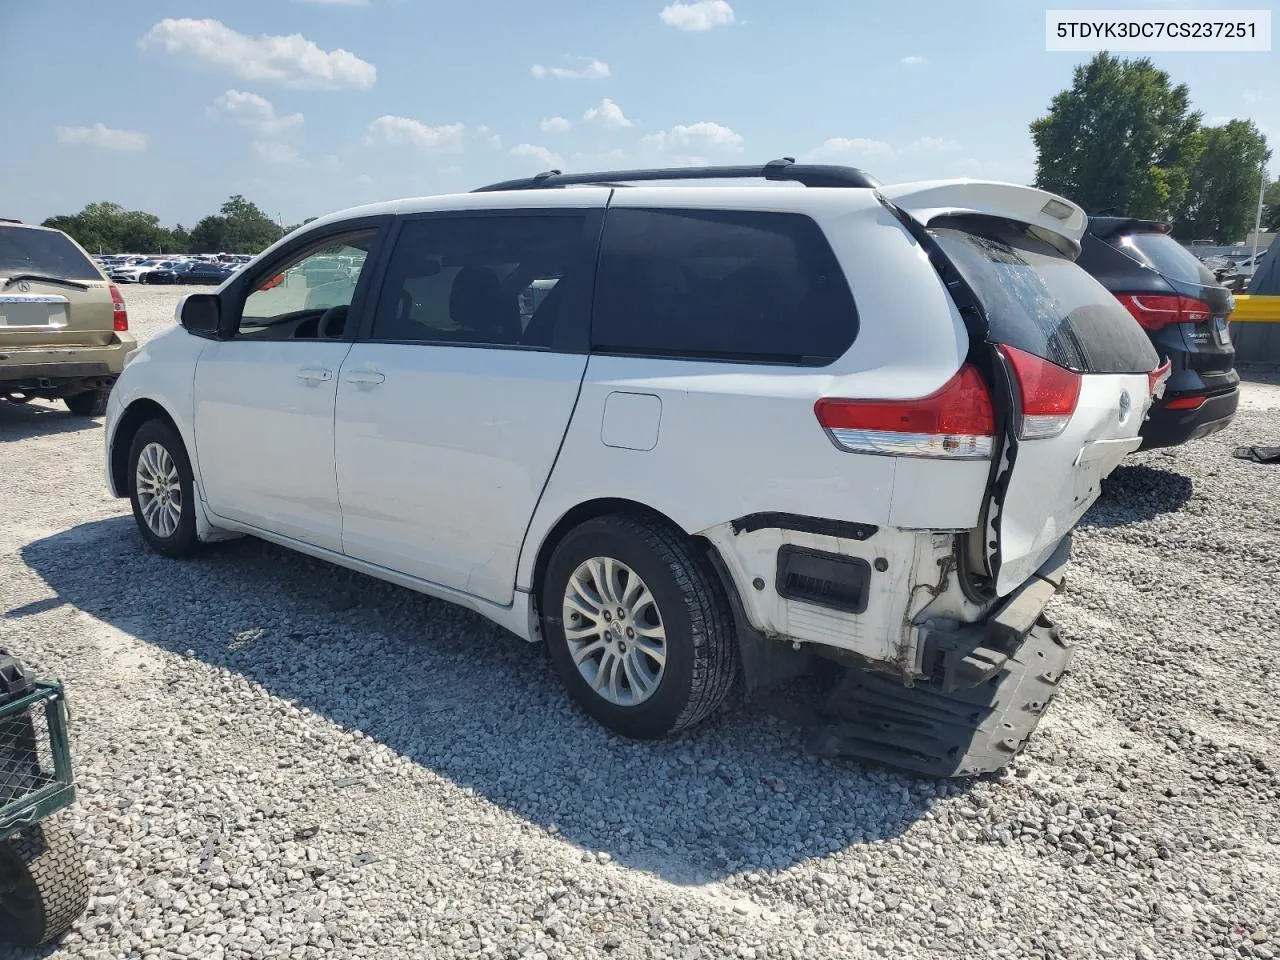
point(201, 314)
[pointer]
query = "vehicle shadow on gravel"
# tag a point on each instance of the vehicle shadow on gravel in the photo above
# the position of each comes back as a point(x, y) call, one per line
point(21, 421)
point(1135, 493)
point(474, 704)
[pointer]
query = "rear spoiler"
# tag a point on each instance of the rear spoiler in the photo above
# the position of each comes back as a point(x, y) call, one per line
point(1058, 220)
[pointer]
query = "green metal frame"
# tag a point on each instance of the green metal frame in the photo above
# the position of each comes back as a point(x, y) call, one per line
point(21, 813)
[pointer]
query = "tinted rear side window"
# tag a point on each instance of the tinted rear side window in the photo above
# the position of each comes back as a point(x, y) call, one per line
point(1165, 255)
point(721, 285)
point(1039, 301)
point(43, 251)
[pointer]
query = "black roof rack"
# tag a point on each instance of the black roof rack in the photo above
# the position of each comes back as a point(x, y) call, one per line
point(811, 175)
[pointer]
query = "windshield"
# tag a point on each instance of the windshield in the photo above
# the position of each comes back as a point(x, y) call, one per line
point(1039, 301)
point(1165, 255)
point(23, 250)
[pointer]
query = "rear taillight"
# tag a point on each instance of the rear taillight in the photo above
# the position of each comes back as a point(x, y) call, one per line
point(1049, 393)
point(953, 423)
point(119, 314)
point(1157, 377)
point(1186, 403)
point(1157, 311)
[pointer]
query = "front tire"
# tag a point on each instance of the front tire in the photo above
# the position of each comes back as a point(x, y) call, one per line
point(637, 626)
point(44, 888)
point(162, 490)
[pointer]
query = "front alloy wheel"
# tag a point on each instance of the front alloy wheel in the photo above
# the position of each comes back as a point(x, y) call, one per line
point(161, 488)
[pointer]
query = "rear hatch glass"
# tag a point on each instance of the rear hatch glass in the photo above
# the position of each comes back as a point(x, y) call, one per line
point(1039, 301)
point(1165, 255)
point(46, 252)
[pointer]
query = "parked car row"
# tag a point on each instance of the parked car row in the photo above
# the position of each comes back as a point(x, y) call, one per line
point(198, 269)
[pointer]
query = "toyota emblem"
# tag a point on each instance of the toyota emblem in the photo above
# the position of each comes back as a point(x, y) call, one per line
point(1125, 404)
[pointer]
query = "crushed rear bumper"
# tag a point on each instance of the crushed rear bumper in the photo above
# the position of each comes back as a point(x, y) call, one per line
point(988, 684)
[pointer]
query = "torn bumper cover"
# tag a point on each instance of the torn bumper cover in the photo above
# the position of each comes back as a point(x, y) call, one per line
point(989, 684)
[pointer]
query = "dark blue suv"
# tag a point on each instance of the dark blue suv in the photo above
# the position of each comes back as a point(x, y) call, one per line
point(1184, 311)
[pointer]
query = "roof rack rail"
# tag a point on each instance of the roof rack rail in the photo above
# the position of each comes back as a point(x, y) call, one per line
point(785, 169)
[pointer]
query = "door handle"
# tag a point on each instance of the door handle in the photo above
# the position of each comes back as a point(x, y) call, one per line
point(315, 374)
point(365, 376)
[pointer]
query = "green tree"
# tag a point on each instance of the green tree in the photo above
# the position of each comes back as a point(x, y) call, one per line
point(1271, 207)
point(1222, 200)
point(249, 230)
point(110, 228)
point(1120, 138)
point(210, 235)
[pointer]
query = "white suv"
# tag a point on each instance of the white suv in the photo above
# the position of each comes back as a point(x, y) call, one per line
point(682, 434)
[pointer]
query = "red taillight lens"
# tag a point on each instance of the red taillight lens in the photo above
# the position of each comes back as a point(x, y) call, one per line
point(1157, 377)
point(955, 422)
point(1049, 393)
point(1185, 403)
point(119, 314)
point(1157, 311)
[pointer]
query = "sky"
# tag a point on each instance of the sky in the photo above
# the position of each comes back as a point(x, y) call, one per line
point(310, 106)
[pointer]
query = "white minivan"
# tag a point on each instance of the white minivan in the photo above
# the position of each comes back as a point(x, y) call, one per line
point(686, 433)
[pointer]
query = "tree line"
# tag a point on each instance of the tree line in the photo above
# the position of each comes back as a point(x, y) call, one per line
point(1124, 139)
point(239, 226)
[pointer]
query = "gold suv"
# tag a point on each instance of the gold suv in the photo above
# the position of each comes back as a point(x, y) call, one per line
point(64, 330)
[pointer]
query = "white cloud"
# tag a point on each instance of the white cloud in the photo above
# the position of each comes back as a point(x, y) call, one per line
point(403, 130)
point(704, 133)
point(256, 112)
point(282, 154)
point(548, 159)
point(291, 61)
point(100, 135)
point(491, 138)
point(914, 60)
point(932, 145)
point(860, 148)
point(609, 114)
point(591, 69)
point(555, 124)
point(846, 147)
point(698, 15)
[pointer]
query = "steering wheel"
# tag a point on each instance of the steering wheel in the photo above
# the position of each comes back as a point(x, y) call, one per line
point(334, 321)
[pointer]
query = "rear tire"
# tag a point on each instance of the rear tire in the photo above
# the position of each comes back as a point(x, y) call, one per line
point(162, 490)
point(44, 888)
point(653, 651)
point(91, 403)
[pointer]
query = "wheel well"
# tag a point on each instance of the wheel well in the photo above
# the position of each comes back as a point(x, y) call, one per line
point(607, 505)
point(138, 413)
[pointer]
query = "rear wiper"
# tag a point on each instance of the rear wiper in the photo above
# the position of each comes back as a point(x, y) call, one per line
point(41, 278)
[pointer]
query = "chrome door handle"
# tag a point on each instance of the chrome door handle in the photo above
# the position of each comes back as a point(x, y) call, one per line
point(365, 376)
point(315, 374)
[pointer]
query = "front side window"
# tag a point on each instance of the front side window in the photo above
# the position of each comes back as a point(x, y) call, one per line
point(721, 285)
point(492, 280)
point(308, 295)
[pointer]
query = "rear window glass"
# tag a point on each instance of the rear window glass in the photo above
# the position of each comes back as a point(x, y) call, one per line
point(43, 251)
point(1165, 255)
point(1039, 301)
point(738, 286)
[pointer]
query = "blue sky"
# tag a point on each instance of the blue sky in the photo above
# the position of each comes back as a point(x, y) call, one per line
point(307, 106)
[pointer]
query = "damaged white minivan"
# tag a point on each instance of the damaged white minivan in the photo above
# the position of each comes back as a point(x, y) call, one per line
point(684, 430)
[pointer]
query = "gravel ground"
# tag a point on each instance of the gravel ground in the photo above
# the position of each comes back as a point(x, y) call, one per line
point(279, 758)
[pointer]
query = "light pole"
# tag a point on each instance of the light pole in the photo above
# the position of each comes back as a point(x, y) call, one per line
point(1257, 223)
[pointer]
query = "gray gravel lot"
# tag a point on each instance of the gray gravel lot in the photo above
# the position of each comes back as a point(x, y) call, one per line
point(279, 758)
